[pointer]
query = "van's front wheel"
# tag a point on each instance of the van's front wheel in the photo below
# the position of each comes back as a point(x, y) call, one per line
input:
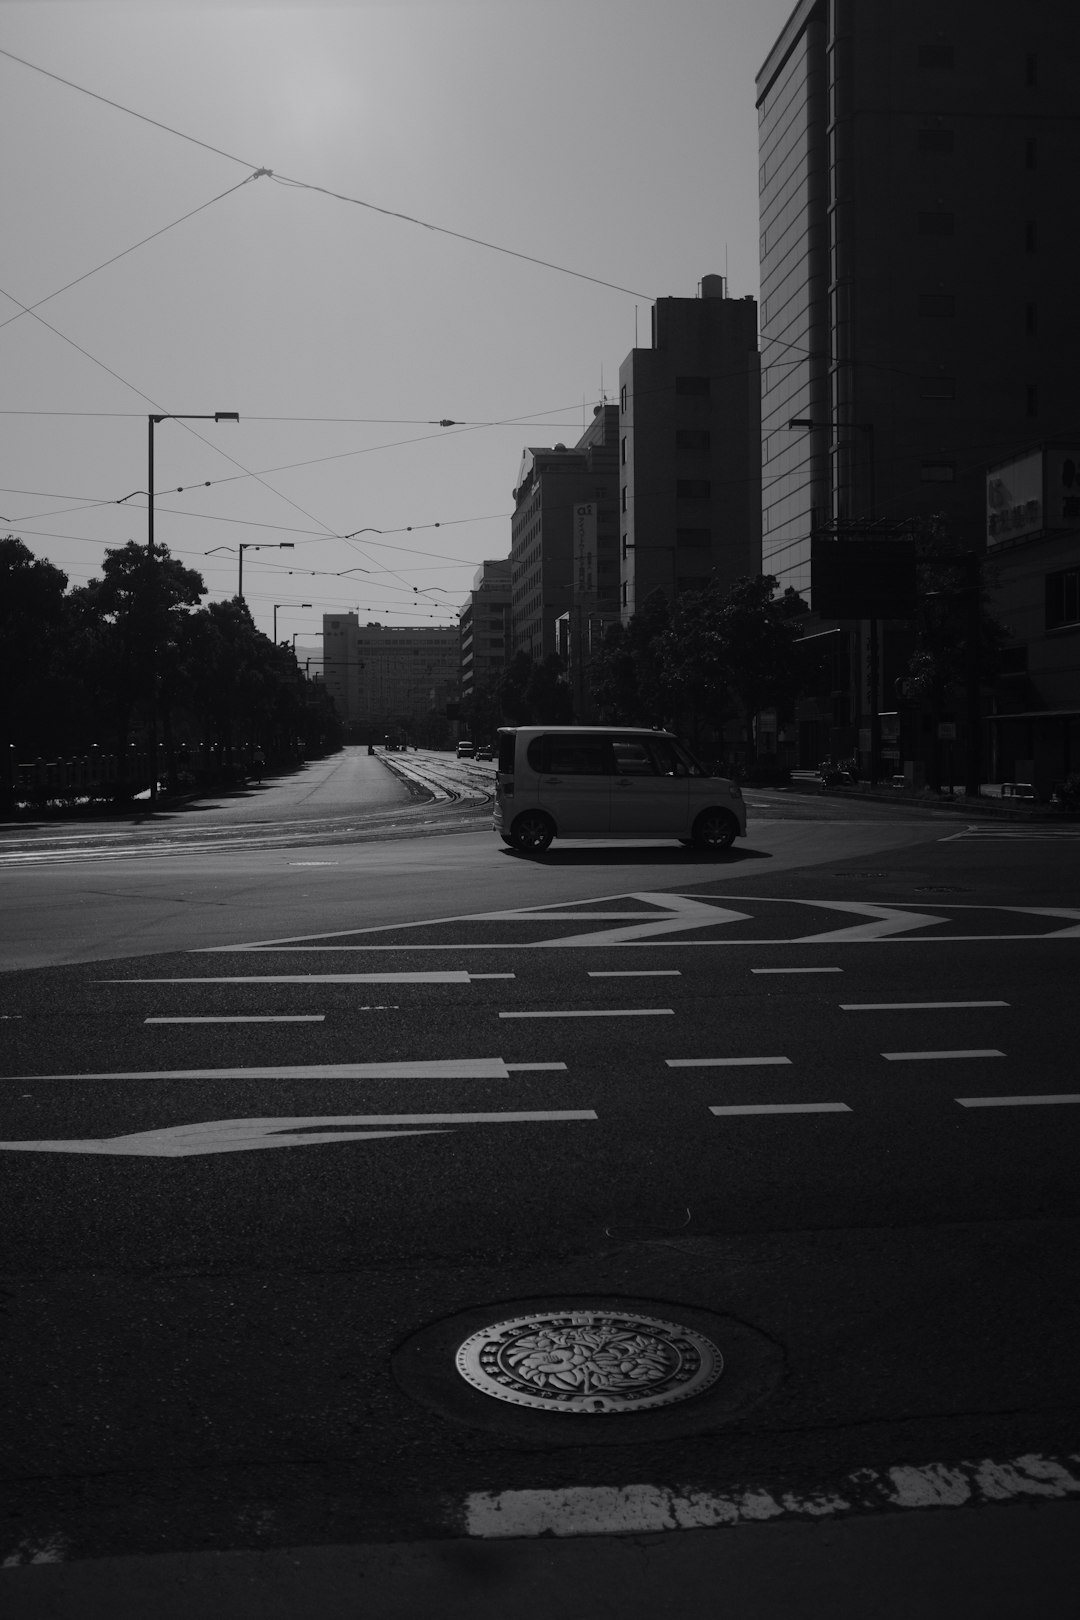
point(715, 829)
point(532, 832)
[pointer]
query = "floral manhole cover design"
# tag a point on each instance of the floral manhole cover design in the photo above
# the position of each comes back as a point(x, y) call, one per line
point(589, 1361)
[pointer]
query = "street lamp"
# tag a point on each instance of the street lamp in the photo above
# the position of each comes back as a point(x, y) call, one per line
point(285, 604)
point(151, 422)
point(873, 638)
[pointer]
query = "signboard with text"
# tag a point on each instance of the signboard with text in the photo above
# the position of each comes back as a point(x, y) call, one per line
point(584, 554)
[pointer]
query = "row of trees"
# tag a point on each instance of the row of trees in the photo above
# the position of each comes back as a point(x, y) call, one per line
point(132, 654)
point(708, 664)
point(715, 657)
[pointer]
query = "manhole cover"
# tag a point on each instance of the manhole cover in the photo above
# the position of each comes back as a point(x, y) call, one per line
point(589, 1361)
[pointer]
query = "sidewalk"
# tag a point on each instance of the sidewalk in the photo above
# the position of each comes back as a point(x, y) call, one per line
point(990, 801)
point(947, 1564)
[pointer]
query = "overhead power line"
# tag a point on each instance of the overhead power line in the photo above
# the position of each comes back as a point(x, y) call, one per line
point(117, 256)
point(338, 196)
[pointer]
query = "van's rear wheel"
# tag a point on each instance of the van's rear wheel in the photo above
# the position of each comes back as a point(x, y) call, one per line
point(532, 832)
point(715, 829)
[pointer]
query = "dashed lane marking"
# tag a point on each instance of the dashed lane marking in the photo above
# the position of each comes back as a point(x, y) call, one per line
point(917, 1057)
point(781, 1108)
point(901, 1006)
point(798, 970)
point(244, 1018)
point(597, 1012)
point(635, 973)
point(724, 1062)
point(1019, 1102)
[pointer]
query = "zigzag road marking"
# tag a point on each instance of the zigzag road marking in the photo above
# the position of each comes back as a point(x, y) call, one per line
point(667, 914)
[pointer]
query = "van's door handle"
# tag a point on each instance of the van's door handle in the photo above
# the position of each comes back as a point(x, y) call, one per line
point(624, 782)
point(553, 781)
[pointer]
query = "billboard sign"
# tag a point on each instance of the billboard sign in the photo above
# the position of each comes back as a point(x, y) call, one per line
point(863, 579)
point(1014, 499)
point(584, 554)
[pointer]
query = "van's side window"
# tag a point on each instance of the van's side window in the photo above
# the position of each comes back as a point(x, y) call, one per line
point(575, 756)
point(632, 759)
point(666, 759)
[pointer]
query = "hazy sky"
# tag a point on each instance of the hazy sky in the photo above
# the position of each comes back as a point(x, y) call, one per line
point(616, 138)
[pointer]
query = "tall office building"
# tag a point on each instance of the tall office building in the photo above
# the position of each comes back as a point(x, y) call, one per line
point(689, 477)
point(919, 318)
point(484, 622)
point(565, 536)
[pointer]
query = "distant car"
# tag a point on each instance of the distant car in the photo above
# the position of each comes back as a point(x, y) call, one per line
point(465, 750)
point(483, 753)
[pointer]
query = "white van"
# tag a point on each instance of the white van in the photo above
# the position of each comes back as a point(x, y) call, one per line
point(609, 782)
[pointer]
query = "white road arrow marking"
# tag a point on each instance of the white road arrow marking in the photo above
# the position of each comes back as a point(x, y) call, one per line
point(248, 1135)
point(432, 1069)
point(886, 920)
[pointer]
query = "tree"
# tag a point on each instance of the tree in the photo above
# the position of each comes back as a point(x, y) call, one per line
point(132, 619)
point(627, 674)
point(32, 616)
point(957, 640)
point(734, 651)
point(548, 694)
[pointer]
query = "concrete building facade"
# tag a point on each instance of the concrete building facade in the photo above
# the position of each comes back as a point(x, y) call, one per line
point(565, 535)
point(484, 625)
point(689, 438)
point(919, 316)
point(388, 679)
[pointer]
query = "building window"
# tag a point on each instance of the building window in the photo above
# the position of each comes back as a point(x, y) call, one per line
point(697, 387)
point(937, 472)
point(1029, 236)
point(692, 439)
point(1063, 598)
point(693, 537)
point(622, 399)
point(1033, 399)
point(936, 54)
point(937, 388)
point(937, 304)
point(1032, 71)
point(936, 224)
point(936, 140)
point(692, 489)
point(622, 450)
point(1031, 153)
point(1031, 319)
point(622, 498)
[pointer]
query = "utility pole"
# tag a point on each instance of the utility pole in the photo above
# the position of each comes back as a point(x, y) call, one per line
point(151, 423)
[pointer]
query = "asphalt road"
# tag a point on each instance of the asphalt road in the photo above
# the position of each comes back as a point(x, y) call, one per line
point(268, 1162)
